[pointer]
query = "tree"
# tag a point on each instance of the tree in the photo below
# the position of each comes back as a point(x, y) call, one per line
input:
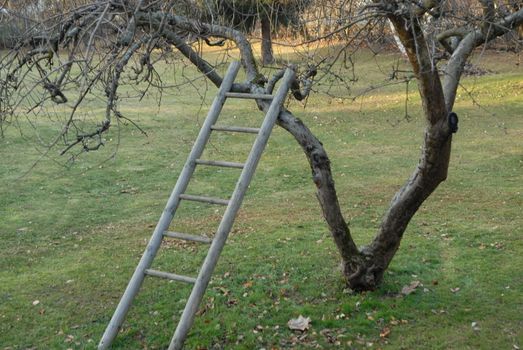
point(271, 14)
point(33, 75)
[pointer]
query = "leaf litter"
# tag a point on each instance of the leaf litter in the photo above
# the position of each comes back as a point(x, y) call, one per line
point(299, 324)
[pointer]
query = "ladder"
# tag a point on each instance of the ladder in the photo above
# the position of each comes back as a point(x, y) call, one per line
point(233, 204)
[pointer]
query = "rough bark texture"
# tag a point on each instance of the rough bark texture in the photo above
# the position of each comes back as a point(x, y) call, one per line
point(326, 191)
point(431, 169)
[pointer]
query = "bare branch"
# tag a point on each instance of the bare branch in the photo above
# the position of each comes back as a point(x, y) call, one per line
point(467, 45)
point(451, 38)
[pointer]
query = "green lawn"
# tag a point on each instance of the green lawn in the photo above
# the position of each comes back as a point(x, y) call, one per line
point(71, 236)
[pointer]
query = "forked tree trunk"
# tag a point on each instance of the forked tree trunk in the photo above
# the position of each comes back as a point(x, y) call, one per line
point(266, 44)
point(363, 269)
point(430, 172)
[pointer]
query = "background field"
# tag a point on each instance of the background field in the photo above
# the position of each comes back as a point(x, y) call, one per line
point(71, 237)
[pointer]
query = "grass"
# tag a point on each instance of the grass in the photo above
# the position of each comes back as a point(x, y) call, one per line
point(71, 237)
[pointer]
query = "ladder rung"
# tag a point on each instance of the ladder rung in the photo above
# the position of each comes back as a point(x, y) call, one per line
point(187, 237)
point(253, 96)
point(170, 276)
point(220, 163)
point(204, 199)
point(236, 129)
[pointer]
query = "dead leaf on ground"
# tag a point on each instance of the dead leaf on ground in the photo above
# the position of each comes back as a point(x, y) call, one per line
point(406, 290)
point(299, 324)
point(329, 334)
point(132, 190)
point(455, 290)
point(385, 332)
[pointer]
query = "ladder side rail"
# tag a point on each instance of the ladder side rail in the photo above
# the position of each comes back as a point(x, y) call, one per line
point(227, 221)
point(172, 204)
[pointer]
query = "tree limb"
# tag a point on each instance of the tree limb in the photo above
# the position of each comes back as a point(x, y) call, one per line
point(470, 41)
point(206, 30)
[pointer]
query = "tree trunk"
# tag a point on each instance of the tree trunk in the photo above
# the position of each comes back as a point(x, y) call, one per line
point(266, 44)
point(319, 163)
point(363, 269)
point(397, 40)
point(430, 172)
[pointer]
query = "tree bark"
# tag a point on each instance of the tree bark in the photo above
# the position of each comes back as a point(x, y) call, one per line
point(319, 163)
point(266, 44)
point(431, 169)
point(322, 177)
point(363, 269)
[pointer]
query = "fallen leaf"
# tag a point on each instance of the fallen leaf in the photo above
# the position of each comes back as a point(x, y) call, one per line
point(385, 332)
point(436, 312)
point(223, 290)
point(329, 335)
point(231, 302)
point(300, 324)
point(455, 290)
point(475, 326)
point(406, 290)
point(247, 284)
point(36, 302)
point(69, 338)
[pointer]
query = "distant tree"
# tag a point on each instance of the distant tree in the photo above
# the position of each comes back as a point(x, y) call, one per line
point(35, 79)
point(270, 14)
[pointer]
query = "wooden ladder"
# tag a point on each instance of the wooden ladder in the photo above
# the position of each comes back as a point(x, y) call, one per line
point(233, 204)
